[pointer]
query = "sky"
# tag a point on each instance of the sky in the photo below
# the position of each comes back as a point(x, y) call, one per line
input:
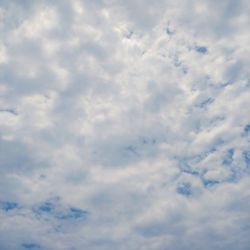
point(124, 125)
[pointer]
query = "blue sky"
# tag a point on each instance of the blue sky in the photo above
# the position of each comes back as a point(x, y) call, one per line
point(124, 125)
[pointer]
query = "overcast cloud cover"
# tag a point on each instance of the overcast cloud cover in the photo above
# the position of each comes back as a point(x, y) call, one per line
point(124, 125)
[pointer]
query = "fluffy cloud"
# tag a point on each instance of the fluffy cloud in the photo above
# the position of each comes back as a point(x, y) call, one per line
point(124, 125)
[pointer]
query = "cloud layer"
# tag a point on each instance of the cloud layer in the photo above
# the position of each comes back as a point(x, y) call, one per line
point(124, 125)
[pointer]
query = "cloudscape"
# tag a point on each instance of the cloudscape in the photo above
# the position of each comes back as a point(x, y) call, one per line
point(124, 125)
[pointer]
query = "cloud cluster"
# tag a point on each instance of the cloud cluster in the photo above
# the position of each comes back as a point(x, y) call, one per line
point(124, 125)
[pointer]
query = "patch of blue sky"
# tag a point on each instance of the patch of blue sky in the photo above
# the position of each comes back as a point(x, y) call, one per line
point(9, 110)
point(186, 168)
point(46, 207)
point(222, 85)
point(131, 150)
point(192, 172)
point(185, 164)
point(247, 129)
point(169, 31)
point(153, 230)
point(210, 182)
point(215, 145)
point(30, 245)
point(58, 211)
point(246, 157)
point(205, 103)
point(184, 189)
point(147, 140)
point(228, 159)
point(72, 213)
point(201, 49)
point(8, 205)
point(234, 176)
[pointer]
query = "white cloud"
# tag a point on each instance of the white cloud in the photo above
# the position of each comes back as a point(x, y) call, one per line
point(123, 125)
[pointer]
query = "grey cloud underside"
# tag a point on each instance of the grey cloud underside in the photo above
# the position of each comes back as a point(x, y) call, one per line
point(124, 125)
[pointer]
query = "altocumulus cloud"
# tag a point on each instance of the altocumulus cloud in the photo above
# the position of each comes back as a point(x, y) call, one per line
point(124, 125)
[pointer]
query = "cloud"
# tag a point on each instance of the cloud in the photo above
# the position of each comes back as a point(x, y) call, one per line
point(124, 125)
